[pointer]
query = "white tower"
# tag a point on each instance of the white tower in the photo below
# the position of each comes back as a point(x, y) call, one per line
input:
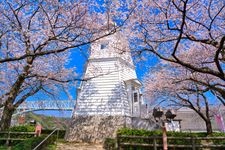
point(111, 94)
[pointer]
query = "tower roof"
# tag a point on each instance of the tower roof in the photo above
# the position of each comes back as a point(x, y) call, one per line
point(134, 81)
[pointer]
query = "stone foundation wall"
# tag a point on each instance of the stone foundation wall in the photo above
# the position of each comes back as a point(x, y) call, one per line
point(143, 123)
point(95, 128)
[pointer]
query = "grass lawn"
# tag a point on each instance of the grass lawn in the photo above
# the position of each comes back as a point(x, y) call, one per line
point(51, 147)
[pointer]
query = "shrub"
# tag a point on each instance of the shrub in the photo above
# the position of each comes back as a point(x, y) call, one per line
point(33, 142)
point(29, 143)
point(109, 144)
point(218, 134)
point(24, 128)
point(146, 133)
point(61, 133)
point(138, 132)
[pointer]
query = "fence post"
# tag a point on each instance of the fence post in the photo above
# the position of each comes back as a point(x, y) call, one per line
point(154, 143)
point(57, 136)
point(164, 137)
point(8, 138)
point(117, 142)
point(193, 143)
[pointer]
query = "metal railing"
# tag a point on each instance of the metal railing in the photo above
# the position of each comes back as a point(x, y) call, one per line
point(45, 139)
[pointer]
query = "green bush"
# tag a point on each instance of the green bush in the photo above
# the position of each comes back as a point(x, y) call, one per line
point(109, 144)
point(33, 142)
point(145, 133)
point(140, 132)
point(24, 128)
point(218, 134)
point(137, 132)
point(61, 133)
point(29, 143)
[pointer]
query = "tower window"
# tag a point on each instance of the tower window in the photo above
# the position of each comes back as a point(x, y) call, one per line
point(104, 45)
point(135, 96)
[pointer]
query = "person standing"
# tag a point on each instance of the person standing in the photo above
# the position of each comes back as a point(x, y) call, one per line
point(38, 129)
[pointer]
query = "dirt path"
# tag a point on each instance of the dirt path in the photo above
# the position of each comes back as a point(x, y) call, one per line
point(78, 146)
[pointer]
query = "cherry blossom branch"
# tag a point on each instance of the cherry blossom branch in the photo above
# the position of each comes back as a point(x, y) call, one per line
point(181, 28)
point(216, 58)
point(28, 94)
point(42, 53)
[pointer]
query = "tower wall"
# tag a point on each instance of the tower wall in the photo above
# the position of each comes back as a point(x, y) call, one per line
point(105, 93)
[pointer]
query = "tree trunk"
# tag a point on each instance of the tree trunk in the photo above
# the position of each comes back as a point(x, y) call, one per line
point(206, 119)
point(208, 127)
point(6, 118)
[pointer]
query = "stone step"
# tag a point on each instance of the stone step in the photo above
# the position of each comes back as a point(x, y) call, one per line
point(78, 146)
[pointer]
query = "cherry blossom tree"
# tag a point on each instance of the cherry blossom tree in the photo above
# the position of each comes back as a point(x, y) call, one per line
point(189, 33)
point(171, 85)
point(35, 39)
point(188, 38)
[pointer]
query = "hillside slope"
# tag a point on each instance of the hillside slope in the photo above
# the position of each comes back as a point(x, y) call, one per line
point(47, 122)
